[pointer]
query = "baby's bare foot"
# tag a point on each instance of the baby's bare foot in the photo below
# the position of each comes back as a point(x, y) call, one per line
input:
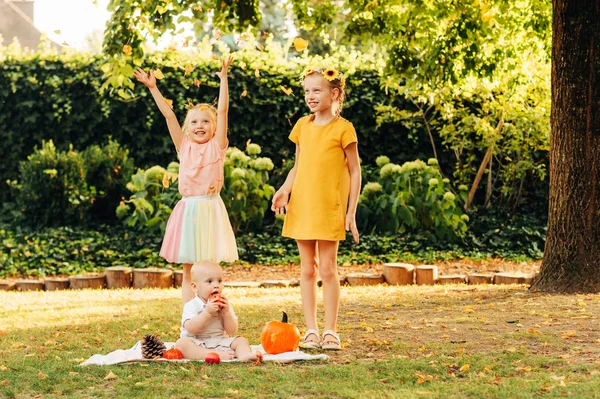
point(226, 355)
point(250, 357)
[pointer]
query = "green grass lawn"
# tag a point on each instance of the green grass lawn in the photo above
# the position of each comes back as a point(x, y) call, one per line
point(400, 342)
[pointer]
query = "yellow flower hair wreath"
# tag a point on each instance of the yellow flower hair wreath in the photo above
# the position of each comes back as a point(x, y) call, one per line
point(330, 74)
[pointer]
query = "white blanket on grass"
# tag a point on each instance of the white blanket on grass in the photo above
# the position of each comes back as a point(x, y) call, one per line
point(134, 354)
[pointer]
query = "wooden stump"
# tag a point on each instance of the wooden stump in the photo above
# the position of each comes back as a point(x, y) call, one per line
point(83, 282)
point(452, 279)
point(177, 278)
point(56, 283)
point(343, 281)
point(244, 284)
point(364, 279)
point(480, 278)
point(118, 277)
point(30, 285)
point(275, 283)
point(512, 278)
point(399, 273)
point(152, 278)
point(7, 285)
point(426, 275)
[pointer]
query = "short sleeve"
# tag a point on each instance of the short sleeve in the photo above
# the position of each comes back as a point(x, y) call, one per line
point(348, 135)
point(295, 134)
point(191, 310)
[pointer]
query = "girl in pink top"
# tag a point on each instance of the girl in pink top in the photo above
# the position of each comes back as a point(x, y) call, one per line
point(198, 228)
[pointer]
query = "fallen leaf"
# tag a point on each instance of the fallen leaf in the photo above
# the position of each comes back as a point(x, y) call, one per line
point(3, 368)
point(73, 373)
point(5, 382)
point(464, 367)
point(422, 378)
point(534, 331)
point(204, 377)
point(300, 44)
point(111, 376)
point(568, 334)
point(42, 376)
point(190, 105)
point(158, 75)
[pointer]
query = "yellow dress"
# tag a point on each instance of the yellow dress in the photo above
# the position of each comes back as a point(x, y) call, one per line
point(319, 198)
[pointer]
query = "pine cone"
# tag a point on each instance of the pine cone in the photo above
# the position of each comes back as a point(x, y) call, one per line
point(152, 347)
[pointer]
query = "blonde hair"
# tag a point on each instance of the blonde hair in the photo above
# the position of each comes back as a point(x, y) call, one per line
point(336, 83)
point(199, 107)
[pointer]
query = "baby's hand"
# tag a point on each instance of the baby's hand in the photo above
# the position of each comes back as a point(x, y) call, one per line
point(224, 304)
point(212, 306)
point(142, 76)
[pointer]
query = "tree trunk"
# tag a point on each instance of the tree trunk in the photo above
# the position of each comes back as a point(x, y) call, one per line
point(572, 253)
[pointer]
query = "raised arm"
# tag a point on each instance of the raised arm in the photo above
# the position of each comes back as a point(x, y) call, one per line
point(281, 198)
point(165, 109)
point(223, 106)
point(351, 152)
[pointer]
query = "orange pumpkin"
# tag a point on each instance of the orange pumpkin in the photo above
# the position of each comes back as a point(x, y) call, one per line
point(280, 336)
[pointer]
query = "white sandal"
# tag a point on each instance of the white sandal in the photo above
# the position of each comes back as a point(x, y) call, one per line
point(331, 343)
point(310, 344)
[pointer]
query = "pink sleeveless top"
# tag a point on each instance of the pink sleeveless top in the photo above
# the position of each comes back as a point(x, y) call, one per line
point(200, 168)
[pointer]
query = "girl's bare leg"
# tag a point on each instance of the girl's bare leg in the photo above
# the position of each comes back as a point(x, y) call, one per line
point(331, 282)
point(308, 283)
point(186, 288)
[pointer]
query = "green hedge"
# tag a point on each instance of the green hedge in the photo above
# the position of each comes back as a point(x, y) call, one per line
point(51, 97)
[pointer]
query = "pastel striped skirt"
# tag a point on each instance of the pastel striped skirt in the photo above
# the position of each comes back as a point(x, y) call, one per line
point(199, 229)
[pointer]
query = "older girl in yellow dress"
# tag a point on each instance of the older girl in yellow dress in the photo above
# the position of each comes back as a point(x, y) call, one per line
point(319, 197)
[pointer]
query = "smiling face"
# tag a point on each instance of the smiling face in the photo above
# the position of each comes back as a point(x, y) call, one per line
point(200, 125)
point(318, 94)
point(207, 279)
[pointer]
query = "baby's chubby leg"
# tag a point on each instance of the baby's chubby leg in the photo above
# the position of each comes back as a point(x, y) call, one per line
point(241, 346)
point(192, 351)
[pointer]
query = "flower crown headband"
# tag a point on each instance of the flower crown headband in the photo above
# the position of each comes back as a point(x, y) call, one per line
point(330, 74)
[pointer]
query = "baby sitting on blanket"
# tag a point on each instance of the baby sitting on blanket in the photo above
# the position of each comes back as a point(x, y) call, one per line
point(208, 320)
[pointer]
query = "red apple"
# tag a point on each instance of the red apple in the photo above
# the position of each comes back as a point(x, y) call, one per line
point(212, 358)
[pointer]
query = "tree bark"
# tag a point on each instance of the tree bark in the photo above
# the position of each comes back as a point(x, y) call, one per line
point(572, 253)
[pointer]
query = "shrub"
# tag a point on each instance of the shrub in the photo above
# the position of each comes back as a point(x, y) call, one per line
point(108, 169)
point(245, 192)
point(413, 197)
point(153, 198)
point(52, 189)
